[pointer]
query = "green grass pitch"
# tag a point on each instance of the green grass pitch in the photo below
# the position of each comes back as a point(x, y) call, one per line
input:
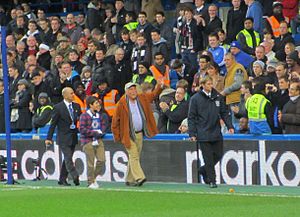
point(45, 198)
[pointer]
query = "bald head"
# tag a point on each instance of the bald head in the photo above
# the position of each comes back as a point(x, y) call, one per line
point(68, 94)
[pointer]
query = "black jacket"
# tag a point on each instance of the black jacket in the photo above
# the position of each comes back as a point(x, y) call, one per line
point(94, 17)
point(204, 116)
point(166, 32)
point(24, 121)
point(235, 23)
point(121, 74)
point(279, 45)
point(62, 120)
point(196, 32)
point(44, 60)
point(146, 30)
point(211, 27)
point(40, 119)
point(291, 117)
point(278, 100)
point(174, 118)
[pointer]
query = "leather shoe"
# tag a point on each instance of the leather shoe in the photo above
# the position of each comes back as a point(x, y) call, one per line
point(131, 184)
point(204, 176)
point(141, 182)
point(213, 185)
point(64, 183)
point(76, 181)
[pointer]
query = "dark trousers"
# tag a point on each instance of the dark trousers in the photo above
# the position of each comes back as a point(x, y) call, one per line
point(67, 164)
point(212, 153)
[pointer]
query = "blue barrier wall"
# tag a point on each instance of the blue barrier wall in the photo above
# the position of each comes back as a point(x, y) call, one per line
point(179, 137)
point(247, 160)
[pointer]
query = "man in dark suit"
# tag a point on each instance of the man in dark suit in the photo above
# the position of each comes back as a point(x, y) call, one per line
point(65, 117)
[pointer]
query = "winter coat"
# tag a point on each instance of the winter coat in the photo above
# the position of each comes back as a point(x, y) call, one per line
point(290, 118)
point(94, 17)
point(44, 60)
point(162, 47)
point(24, 120)
point(204, 116)
point(120, 123)
point(172, 119)
point(235, 23)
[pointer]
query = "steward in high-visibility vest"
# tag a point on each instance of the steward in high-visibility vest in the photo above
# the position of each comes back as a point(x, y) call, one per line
point(131, 26)
point(142, 78)
point(248, 38)
point(144, 75)
point(80, 96)
point(257, 114)
point(159, 75)
point(42, 117)
point(109, 97)
point(130, 18)
point(272, 23)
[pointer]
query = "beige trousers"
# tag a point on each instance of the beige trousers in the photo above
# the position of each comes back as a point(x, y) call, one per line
point(93, 152)
point(134, 169)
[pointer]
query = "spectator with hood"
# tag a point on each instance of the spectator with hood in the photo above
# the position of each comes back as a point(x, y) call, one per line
point(42, 116)
point(20, 113)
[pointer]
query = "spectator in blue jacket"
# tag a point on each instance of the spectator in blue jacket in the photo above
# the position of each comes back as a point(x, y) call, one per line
point(241, 56)
point(255, 11)
point(217, 51)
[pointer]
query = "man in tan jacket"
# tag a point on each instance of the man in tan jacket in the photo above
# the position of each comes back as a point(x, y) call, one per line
point(132, 120)
point(234, 78)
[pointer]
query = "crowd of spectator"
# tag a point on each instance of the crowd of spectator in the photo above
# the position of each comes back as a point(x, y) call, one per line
point(252, 58)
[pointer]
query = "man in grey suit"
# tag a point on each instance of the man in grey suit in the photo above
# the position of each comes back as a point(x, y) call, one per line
point(65, 117)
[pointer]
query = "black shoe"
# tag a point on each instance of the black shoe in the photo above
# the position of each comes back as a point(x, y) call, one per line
point(76, 181)
point(64, 183)
point(213, 185)
point(141, 182)
point(204, 176)
point(131, 184)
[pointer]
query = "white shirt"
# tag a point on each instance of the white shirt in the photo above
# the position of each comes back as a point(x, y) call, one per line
point(136, 116)
point(68, 104)
point(207, 94)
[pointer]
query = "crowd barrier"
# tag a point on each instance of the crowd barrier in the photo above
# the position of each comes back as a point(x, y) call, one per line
point(247, 160)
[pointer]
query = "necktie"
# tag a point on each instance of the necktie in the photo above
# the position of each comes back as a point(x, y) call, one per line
point(71, 112)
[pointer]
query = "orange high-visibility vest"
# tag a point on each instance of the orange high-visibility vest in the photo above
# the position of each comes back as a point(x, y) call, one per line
point(81, 103)
point(157, 74)
point(109, 101)
point(275, 24)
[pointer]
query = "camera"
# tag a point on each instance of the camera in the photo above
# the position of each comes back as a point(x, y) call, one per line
point(270, 87)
